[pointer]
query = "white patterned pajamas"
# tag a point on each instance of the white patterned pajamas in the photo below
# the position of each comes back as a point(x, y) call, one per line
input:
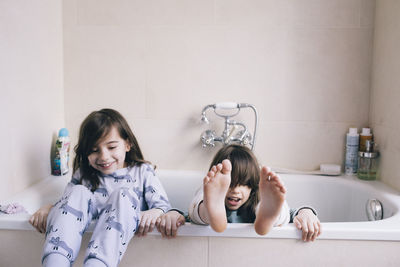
point(116, 206)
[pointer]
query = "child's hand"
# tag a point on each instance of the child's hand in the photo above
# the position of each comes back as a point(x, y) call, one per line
point(168, 223)
point(148, 221)
point(309, 223)
point(39, 218)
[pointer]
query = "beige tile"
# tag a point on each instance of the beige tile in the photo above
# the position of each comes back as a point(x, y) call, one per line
point(389, 167)
point(240, 13)
point(154, 251)
point(327, 76)
point(166, 13)
point(385, 78)
point(70, 13)
point(146, 13)
point(16, 243)
point(171, 144)
point(173, 252)
point(323, 14)
point(287, 252)
point(367, 13)
point(389, 148)
point(98, 12)
point(103, 72)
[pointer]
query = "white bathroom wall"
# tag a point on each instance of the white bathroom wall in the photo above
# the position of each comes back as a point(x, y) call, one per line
point(31, 82)
point(304, 64)
point(385, 97)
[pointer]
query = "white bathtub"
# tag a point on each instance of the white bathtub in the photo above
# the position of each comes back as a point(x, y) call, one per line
point(340, 202)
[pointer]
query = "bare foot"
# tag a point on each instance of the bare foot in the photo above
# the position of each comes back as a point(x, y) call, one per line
point(216, 185)
point(272, 196)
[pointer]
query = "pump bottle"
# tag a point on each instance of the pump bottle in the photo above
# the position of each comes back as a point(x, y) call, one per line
point(364, 137)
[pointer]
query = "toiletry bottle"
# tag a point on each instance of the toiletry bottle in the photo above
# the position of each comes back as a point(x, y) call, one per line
point(61, 158)
point(368, 162)
point(364, 136)
point(352, 142)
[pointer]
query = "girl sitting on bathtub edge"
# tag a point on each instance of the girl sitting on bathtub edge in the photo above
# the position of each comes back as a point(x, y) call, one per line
point(112, 185)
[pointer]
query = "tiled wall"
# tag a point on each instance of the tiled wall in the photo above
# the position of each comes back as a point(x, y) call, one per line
point(304, 64)
point(31, 86)
point(385, 97)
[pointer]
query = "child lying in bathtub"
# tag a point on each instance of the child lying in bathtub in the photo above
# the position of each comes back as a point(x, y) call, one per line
point(113, 184)
point(235, 190)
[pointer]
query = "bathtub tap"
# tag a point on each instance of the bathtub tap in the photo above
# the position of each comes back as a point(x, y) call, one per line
point(234, 131)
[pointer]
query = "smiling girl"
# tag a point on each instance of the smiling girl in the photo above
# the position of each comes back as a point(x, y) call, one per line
point(112, 184)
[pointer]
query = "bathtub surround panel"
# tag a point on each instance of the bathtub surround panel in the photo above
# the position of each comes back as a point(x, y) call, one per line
point(31, 102)
point(282, 252)
point(218, 251)
point(302, 65)
point(385, 92)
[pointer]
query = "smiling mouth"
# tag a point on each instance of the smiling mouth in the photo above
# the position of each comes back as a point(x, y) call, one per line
point(105, 165)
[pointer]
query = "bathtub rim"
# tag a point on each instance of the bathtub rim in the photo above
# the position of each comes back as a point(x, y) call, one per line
point(386, 230)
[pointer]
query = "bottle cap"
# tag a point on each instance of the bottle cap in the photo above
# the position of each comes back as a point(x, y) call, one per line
point(353, 131)
point(366, 131)
point(63, 132)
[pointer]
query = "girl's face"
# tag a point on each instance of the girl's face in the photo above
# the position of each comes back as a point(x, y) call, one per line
point(109, 154)
point(237, 196)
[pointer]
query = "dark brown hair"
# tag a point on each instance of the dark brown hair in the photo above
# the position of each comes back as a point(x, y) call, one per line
point(245, 171)
point(95, 127)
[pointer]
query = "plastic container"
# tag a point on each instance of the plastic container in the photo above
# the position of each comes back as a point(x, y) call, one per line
point(368, 162)
point(352, 144)
point(61, 157)
point(365, 135)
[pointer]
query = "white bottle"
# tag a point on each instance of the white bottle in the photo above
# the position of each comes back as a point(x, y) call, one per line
point(60, 164)
point(352, 143)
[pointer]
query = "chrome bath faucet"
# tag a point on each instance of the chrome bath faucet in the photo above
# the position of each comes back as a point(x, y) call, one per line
point(234, 132)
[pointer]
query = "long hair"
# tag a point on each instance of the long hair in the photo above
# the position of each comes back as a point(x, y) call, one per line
point(245, 171)
point(95, 127)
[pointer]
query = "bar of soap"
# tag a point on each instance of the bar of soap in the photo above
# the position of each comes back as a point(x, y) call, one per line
point(332, 169)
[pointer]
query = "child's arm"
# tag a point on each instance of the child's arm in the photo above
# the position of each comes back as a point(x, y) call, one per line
point(309, 223)
point(148, 220)
point(197, 210)
point(168, 223)
point(39, 218)
point(156, 199)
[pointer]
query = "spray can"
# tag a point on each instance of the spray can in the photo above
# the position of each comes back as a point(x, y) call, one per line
point(61, 158)
point(352, 144)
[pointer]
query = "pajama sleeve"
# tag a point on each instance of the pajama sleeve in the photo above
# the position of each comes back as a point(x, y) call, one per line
point(194, 207)
point(75, 179)
point(284, 215)
point(154, 192)
point(294, 212)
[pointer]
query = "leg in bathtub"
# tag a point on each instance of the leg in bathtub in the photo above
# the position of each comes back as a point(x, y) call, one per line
point(66, 223)
point(272, 197)
point(114, 229)
point(216, 185)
